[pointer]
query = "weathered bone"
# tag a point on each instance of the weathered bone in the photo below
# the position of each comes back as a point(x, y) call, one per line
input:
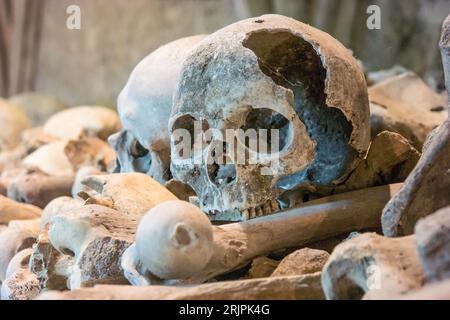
point(34, 138)
point(38, 107)
point(173, 241)
point(237, 244)
point(50, 159)
point(13, 121)
point(92, 121)
point(389, 160)
point(19, 235)
point(51, 267)
point(12, 210)
point(38, 188)
point(406, 105)
point(130, 193)
point(89, 151)
point(95, 236)
point(373, 265)
point(20, 283)
point(57, 206)
point(302, 261)
point(82, 173)
point(427, 188)
point(433, 239)
point(302, 287)
point(144, 106)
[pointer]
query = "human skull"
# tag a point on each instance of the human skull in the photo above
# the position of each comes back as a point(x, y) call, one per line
point(144, 107)
point(270, 72)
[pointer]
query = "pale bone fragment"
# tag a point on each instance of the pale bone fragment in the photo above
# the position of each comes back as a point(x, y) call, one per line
point(50, 159)
point(57, 206)
point(89, 151)
point(92, 121)
point(130, 193)
point(38, 188)
point(50, 266)
point(13, 122)
point(433, 244)
point(95, 236)
point(370, 266)
point(13, 210)
point(19, 235)
point(78, 187)
point(20, 283)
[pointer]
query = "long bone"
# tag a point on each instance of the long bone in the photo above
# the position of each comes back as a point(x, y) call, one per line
point(237, 243)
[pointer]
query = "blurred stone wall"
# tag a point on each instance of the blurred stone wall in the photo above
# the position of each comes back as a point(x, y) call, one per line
point(91, 65)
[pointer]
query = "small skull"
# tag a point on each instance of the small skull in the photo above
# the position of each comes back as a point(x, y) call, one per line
point(144, 107)
point(268, 73)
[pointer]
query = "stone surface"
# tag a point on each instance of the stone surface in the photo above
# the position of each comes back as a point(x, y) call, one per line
point(433, 244)
point(302, 261)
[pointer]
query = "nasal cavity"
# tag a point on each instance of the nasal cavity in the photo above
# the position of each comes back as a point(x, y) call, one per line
point(221, 169)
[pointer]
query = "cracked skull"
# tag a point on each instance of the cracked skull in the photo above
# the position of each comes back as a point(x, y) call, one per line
point(144, 107)
point(250, 78)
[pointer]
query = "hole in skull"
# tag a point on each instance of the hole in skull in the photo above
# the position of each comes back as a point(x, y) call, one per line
point(262, 125)
point(293, 63)
point(437, 109)
point(221, 170)
point(137, 150)
point(68, 252)
point(186, 131)
point(183, 236)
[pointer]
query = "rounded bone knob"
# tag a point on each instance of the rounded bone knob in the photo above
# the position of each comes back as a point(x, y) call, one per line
point(174, 240)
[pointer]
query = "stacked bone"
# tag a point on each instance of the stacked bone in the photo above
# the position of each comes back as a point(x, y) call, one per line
point(82, 220)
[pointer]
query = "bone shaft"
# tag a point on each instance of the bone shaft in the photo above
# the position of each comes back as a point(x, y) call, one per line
point(320, 219)
point(291, 287)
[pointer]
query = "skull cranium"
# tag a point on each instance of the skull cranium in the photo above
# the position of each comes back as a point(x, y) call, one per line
point(144, 107)
point(270, 72)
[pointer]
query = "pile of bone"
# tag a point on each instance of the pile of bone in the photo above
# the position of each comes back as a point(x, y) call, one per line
point(99, 205)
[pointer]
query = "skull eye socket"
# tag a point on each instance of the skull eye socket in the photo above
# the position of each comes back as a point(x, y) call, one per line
point(265, 131)
point(137, 150)
point(186, 131)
